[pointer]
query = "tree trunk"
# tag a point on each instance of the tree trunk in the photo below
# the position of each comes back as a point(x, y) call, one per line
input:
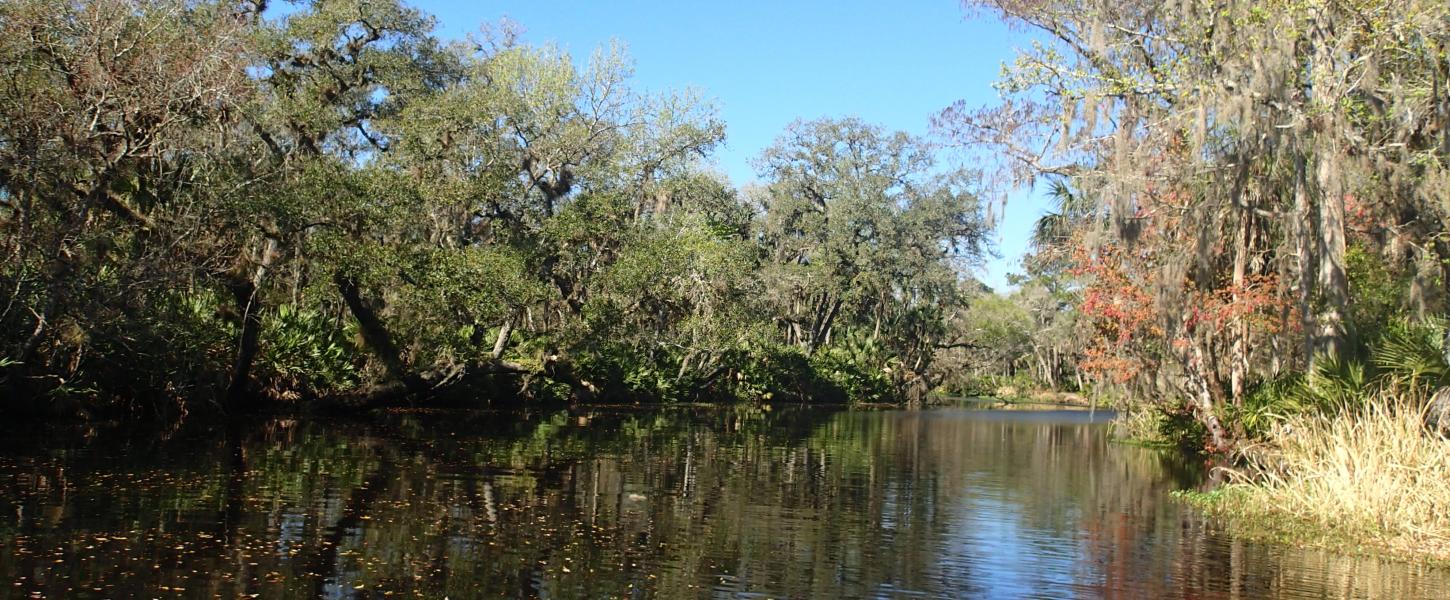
point(405, 383)
point(1238, 368)
point(244, 293)
point(375, 333)
point(1204, 406)
point(413, 384)
point(501, 343)
point(1333, 284)
point(821, 329)
point(1304, 251)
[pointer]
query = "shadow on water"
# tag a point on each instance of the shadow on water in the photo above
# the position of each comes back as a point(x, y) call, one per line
point(734, 502)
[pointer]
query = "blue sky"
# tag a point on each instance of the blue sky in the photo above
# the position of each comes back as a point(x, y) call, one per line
point(768, 63)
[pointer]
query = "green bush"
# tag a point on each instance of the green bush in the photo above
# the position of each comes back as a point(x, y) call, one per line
point(1410, 354)
point(990, 385)
point(304, 352)
point(1379, 293)
point(176, 348)
point(1161, 426)
point(858, 368)
point(774, 372)
point(1405, 355)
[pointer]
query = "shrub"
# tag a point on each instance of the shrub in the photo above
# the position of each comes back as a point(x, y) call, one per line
point(858, 367)
point(774, 371)
point(305, 353)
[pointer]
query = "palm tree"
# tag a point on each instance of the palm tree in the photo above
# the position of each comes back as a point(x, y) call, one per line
point(1070, 211)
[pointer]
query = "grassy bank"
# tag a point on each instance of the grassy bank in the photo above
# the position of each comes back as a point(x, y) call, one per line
point(1368, 480)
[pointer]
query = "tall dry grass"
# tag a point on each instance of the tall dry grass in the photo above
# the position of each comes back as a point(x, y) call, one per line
point(1371, 476)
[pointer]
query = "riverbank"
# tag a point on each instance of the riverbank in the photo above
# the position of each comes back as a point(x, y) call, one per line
point(1008, 395)
point(1369, 481)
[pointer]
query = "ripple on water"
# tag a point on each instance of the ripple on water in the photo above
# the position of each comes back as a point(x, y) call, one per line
point(731, 503)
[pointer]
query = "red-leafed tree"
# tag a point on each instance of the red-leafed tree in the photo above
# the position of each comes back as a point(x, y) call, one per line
point(1230, 150)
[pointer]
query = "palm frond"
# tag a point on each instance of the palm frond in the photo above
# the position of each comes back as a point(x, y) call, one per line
point(1049, 230)
point(1411, 354)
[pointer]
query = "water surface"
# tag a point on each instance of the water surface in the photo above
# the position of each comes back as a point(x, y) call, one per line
point(717, 503)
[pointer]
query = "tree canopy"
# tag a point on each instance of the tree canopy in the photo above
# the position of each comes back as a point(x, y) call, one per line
point(202, 202)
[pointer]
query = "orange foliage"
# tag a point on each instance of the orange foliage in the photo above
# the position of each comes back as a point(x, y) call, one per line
point(1126, 313)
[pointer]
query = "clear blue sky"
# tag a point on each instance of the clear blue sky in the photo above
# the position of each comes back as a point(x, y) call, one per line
point(768, 63)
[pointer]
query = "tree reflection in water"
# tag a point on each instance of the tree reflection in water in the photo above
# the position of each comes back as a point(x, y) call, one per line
point(678, 503)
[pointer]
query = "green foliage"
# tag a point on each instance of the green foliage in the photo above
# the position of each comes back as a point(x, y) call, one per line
point(1379, 293)
point(1330, 384)
point(1333, 382)
point(862, 230)
point(329, 204)
point(548, 391)
point(1407, 356)
point(307, 351)
point(1161, 427)
point(1015, 386)
point(857, 366)
point(775, 372)
point(1268, 404)
point(1411, 355)
point(186, 332)
point(1182, 428)
point(192, 324)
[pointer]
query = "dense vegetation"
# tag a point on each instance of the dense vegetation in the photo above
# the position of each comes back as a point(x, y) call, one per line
point(1251, 216)
point(230, 204)
point(224, 204)
point(210, 204)
point(1249, 249)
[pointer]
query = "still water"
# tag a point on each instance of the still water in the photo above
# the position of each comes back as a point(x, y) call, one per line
point(729, 503)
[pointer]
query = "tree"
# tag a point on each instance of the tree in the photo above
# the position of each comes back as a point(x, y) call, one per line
point(200, 201)
point(109, 117)
point(1225, 144)
point(861, 230)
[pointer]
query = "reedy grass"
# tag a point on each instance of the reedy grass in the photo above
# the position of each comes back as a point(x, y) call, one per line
point(1367, 478)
